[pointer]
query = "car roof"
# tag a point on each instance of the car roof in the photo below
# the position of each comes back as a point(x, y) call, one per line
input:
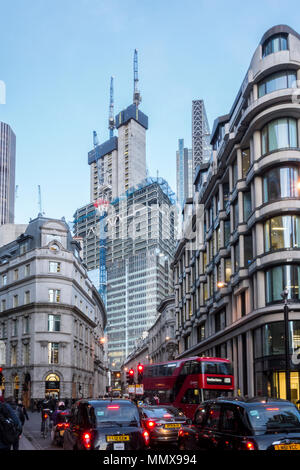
point(248, 401)
point(95, 402)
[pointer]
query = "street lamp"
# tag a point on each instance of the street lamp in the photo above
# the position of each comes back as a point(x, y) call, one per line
point(284, 295)
point(221, 284)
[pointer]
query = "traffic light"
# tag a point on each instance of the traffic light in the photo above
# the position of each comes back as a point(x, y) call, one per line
point(1, 376)
point(131, 376)
point(140, 369)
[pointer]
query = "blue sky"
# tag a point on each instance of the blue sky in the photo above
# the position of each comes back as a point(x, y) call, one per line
point(57, 56)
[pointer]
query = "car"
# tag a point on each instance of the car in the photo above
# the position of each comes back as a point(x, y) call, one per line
point(162, 422)
point(105, 425)
point(243, 424)
point(58, 429)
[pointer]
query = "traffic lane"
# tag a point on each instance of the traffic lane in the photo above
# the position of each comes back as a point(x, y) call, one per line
point(32, 431)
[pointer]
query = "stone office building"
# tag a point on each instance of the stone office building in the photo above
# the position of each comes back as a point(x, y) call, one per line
point(229, 286)
point(52, 318)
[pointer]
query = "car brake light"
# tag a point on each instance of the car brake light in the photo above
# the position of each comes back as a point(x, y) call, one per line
point(272, 409)
point(45, 416)
point(113, 407)
point(151, 424)
point(167, 416)
point(250, 445)
point(146, 437)
point(86, 440)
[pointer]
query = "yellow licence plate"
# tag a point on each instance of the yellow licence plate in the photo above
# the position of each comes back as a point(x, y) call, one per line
point(173, 425)
point(287, 447)
point(117, 438)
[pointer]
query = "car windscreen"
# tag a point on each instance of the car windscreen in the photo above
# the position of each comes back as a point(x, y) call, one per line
point(110, 413)
point(163, 412)
point(274, 417)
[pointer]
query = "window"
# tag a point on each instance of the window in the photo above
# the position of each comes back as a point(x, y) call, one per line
point(27, 297)
point(281, 183)
point(16, 274)
point(24, 247)
point(276, 43)
point(234, 173)
point(200, 333)
point(25, 354)
point(236, 257)
point(54, 295)
point(230, 421)
point(220, 321)
point(277, 81)
point(279, 134)
point(3, 305)
point(14, 328)
point(279, 278)
point(200, 416)
point(228, 269)
point(226, 232)
point(191, 397)
point(282, 232)
point(248, 251)
point(27, 270)
point(52, 353)
point(4, 280)
point(25, 325)
point(225, 194)
point(53, 322)
point(15, 301)
point(247, 205)
point(213, 418)
point(236, 214)
point(54, 267)
point(13, 357)
point(245, 162)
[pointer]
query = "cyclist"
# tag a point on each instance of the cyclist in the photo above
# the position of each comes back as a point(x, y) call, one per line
point(45, 413)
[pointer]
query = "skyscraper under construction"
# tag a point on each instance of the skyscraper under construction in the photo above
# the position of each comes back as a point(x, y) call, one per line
point(134, 241)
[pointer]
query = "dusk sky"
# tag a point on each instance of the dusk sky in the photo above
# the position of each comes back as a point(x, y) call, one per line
point(57, 58)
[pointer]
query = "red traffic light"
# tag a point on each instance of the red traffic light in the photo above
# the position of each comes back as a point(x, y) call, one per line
point(140, 368)
point(1, 370)
point(131, 372)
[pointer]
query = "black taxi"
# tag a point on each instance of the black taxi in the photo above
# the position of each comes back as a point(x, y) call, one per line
point(105, 425)
point(243, 424)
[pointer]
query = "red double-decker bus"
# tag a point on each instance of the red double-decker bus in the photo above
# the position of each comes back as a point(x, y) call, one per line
point(185, 383)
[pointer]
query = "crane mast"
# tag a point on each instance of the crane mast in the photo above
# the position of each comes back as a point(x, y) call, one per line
point(136, 94)
point(111, 119)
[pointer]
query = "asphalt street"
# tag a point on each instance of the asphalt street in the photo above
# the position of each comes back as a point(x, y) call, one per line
point(31, 438)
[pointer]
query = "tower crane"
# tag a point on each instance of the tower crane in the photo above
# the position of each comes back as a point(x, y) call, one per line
point(136, 94)
point(111, 119)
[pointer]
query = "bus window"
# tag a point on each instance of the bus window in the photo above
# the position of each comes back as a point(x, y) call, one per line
point(185, 370)
point(195, 367)
point(217, 368)
point(191, 397)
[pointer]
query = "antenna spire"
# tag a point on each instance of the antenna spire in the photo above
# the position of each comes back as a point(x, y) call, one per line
point(111, 119)
point(136, 94)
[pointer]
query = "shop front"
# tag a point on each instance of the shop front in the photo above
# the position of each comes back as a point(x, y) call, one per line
point(269, 360)
point(52, 386)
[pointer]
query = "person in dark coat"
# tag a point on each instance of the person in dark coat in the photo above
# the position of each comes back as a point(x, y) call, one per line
point(8, 405)
point(23, 412)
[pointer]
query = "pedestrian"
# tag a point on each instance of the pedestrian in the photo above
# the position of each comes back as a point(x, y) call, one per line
point(23, 410)
point(14, 431)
